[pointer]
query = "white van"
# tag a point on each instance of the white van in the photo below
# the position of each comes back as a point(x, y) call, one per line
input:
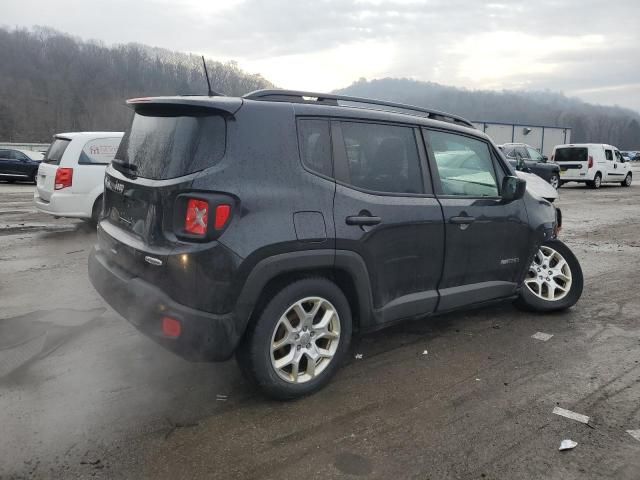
point(591, 163)
point(70, 179)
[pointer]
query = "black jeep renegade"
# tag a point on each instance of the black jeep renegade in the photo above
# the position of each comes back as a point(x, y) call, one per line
point(274, 225)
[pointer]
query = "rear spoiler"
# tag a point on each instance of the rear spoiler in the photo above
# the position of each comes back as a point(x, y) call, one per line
point(229, 105)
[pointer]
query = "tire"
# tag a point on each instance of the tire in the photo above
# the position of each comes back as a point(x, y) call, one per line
point(256, 358)
point(627, 180)
point(554, 181)
point(535, 294)
point(596, 183)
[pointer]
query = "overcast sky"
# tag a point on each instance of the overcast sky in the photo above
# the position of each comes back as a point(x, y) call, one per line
point(584, 48)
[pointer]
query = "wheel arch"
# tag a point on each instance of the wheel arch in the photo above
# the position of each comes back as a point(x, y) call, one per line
point(345, 268)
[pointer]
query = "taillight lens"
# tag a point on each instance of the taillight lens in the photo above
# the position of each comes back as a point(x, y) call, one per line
point(222, 216)
point(590, 161)
point(197, 217)
point(64, 178)
point(201, 216)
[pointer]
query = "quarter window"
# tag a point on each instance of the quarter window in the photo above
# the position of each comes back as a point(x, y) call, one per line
point(465, 165)
point(99, 151)
point(534, 155)
point(608, 155)
point(382, 158)
point(315, 145)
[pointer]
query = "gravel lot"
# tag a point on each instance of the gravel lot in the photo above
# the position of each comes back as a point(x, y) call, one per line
point(82, 394)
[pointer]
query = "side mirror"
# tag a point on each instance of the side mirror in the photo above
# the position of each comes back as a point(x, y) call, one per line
point(513, 188)
point(545, 159)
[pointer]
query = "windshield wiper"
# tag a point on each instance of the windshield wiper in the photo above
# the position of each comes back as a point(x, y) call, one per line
point(127, 169)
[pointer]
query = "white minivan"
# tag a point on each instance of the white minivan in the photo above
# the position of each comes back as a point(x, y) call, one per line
point(592, 163)
point(70, 179)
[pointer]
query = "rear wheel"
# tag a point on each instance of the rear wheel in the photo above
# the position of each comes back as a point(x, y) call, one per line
point(298, 340)
point(554, 280)
point(555, 181)
point(596, 182)
point(627, 181)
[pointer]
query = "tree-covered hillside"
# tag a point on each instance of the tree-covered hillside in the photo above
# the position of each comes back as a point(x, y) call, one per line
point(51, 82)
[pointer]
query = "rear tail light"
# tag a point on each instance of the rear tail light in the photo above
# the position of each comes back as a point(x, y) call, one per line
point(202, 218)
point(222, 216)
point(590, 161)
point(197, 217)
point(64, 178)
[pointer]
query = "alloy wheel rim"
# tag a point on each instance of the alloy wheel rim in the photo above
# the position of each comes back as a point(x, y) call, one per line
point(305, 340)
point(555, 181)
point(549, 276)
point(628, 180)
point(597, 181)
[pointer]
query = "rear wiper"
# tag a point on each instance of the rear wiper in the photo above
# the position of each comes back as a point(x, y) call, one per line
point(125, 168)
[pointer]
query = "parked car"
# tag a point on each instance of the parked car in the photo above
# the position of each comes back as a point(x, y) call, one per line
point(18, 165)
point(537, 187)
point(527, 159)
point(71, 176)
point(627, 156)
point(592, 163)
point(274, 225)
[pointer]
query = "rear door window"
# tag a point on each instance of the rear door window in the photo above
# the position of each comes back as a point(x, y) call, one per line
point(382, 158)
point(56, 150)
point(99, 151)
point(535, 155)
point(571, 154)
point(465, 165)
point(315, 145)
point(522, 153)
point(169, 143)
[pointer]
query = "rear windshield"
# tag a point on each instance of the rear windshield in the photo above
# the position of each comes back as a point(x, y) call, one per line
point(165, 145)
point(56, 150)
point(571, 154)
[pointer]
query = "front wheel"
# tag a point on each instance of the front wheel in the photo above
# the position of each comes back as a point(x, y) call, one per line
point(554, 280)
point(298, 340)
point(627, 181)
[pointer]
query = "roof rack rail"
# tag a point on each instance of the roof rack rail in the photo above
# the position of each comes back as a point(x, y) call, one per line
point(298, 96)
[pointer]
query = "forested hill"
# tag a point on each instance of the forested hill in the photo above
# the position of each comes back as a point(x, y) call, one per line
point(51, 82)
point(590, 123)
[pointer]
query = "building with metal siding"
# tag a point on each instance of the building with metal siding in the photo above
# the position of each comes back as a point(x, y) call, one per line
point(540, 137)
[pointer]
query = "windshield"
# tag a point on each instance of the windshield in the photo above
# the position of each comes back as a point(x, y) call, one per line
point(164, 145)
point(571, 154)
point(56, 150)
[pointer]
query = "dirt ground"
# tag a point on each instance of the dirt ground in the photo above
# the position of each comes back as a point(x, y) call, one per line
point(466, 395)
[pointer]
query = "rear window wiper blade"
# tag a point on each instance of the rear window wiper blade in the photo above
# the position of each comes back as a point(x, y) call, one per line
point(125, 168)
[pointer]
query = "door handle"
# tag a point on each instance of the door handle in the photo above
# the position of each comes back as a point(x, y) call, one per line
point(363, 220)
point(466, 220)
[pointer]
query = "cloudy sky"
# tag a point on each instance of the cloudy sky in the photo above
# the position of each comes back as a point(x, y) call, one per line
point(584, 48)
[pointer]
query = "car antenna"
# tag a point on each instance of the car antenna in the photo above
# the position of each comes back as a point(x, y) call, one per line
point(210, 92)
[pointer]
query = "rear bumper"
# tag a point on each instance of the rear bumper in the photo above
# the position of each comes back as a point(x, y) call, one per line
point(204, 336)
point(64, 205)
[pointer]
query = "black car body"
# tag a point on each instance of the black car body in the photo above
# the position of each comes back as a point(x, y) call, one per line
point(17, 165)
point(206, 229)
point(527, 159)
